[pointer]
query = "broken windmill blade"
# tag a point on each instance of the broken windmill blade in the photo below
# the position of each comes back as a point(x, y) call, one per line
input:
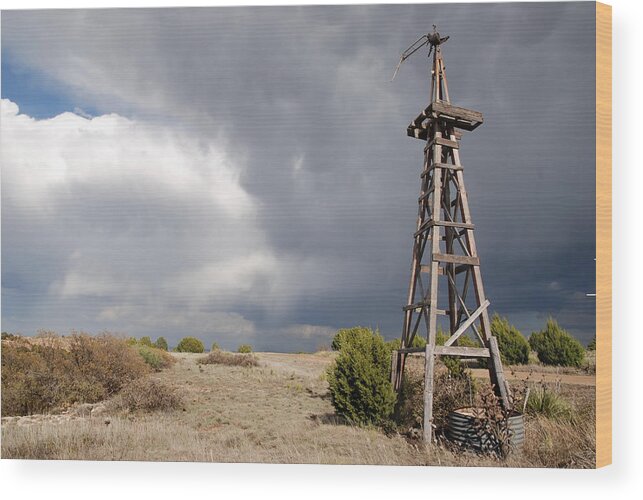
point(430, 39)
point(446, 280)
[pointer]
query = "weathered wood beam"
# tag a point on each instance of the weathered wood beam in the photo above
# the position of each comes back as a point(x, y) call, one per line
point(467, 323)
point(467, 119)
point(465, 352)
point(409, 350)
point(444, 223)
point(456, 259)
point(447, 166)
point(497, 373)
point(427, 269)
point(442, 142)
point(429, 363)
point(423, 305)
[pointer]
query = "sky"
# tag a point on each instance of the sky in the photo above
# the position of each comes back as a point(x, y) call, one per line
point(243, 174)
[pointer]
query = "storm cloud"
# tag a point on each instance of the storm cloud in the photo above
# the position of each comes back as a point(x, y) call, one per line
point(243, 174)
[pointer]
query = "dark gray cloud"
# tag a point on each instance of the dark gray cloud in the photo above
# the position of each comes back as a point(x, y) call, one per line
point(298, 100)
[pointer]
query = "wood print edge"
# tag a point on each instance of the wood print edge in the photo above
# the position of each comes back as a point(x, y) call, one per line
point(603, 234)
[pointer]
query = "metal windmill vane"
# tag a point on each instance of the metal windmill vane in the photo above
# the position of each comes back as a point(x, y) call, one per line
point(446, 282)
point(430, 39)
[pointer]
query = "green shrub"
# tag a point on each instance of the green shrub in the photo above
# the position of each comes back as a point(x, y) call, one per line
point(359, 380)
point(346, 335)
point(592, 345)
point(190, 344)
point(557, 347)
point(392, 344)
point(146, 341)
point(418, 341)
point(157, 359)
point(161, 343)
point(465, 341)
point(514, 348)
point(215, 347)
point(546, 402)
point(244, 349)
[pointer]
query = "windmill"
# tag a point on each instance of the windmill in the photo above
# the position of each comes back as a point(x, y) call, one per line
point(446, 281)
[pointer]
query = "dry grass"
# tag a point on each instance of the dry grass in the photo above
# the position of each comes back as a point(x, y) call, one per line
point(93, 439)
point(218, 357)
point(148, 395)
point(278, 412)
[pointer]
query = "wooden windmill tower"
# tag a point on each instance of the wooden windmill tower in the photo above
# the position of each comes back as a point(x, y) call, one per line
point(446, 282)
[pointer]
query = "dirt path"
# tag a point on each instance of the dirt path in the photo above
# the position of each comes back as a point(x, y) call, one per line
point(303, 365)
point(563, 378)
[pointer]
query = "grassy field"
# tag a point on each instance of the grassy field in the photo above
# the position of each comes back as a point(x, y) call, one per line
point(278, 412)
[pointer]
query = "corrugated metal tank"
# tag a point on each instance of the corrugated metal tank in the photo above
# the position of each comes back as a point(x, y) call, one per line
point(462, 429)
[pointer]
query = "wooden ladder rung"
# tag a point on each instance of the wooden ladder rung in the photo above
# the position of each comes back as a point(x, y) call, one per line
point(456, 259)
point(440, 165)
point(441, 141)
point(408, 350)
point(422, 305)
point(465, 352)
point(431, 223)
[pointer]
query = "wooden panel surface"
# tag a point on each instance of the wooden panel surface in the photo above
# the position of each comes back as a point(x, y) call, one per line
point(603, 234)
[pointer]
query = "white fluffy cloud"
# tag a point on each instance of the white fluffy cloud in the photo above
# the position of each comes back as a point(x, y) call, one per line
point(42, 156)
point(136, 216)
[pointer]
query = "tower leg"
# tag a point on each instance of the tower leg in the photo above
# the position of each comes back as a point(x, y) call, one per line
point(394, 358)
point(497, 374)
point(429, 364)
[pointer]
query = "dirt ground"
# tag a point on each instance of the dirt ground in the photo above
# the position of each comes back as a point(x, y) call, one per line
point(278, 412)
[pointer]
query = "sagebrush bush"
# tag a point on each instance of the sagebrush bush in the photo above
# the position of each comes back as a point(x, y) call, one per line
point(149, 394)
point(54, 373)
point(514, 348)
point(244, 349)
point(161, 343)
point(219, 357)
point(555, 346)
point(359, 379)
point(190, 344)
point(409, 408)
point(107, 360)
point(215, 347)
point(157, 359)
point(451, 392)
